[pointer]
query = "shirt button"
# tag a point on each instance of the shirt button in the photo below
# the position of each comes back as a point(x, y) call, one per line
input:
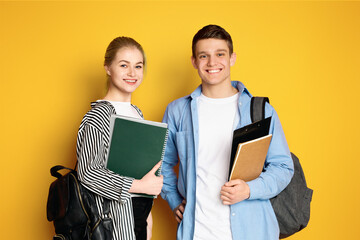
point(233, 214)
point(240, 103)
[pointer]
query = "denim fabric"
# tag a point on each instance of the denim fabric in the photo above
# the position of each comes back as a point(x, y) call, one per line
point(251, 219)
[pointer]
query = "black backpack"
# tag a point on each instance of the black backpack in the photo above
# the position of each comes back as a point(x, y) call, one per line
point(292, 205)
point(72, 208)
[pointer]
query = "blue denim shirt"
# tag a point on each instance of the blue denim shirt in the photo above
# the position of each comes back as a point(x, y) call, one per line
point(251, 219)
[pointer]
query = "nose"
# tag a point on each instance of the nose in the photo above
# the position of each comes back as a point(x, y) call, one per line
point(211, 61)
point(131, 72)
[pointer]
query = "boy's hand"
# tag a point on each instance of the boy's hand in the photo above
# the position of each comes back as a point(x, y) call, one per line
point(179, 211)
point(234, 191)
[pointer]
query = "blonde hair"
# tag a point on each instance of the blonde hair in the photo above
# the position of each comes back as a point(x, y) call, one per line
point(121, 42)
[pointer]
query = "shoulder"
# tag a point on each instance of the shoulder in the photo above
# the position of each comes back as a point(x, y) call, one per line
point(178, 106)
point(269, 110)
point(99, 115)
point(246, 99)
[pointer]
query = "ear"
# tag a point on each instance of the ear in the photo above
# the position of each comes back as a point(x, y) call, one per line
point(107, 69)
point(232, 59)
point(193, 61)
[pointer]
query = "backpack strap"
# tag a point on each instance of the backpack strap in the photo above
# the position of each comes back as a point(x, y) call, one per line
point(257, 108)
point(106, 207)
point(54, 171)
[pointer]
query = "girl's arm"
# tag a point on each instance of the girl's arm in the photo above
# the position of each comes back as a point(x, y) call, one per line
point(97, 178)
point(91, 170)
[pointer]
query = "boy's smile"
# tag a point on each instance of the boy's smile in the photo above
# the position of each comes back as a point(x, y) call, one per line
point(213, 61)
point(212, 71)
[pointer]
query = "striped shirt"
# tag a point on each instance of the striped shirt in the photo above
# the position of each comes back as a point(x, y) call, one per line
point(91, 149)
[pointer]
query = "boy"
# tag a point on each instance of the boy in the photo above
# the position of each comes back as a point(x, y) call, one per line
point(201, 126)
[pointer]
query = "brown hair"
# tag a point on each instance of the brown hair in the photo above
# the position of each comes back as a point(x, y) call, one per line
point(212, 31)
point(118, 43)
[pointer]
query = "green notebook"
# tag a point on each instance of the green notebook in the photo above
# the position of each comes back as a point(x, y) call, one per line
point(136, 145)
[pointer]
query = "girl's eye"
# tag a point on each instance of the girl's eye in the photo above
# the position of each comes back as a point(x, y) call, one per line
point(123, 65)
point(139, 67)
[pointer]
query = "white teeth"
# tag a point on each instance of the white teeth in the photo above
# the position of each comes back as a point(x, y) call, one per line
point(214, 71)
point(130, 81)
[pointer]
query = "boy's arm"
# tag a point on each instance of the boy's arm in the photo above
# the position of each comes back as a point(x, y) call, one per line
point(279, 167)
point(169, 191)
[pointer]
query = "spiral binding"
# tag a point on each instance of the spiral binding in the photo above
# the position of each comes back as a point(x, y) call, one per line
point(163, 152)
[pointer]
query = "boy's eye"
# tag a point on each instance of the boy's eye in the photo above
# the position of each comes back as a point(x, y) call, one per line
point(202, 56)
point(221, 54)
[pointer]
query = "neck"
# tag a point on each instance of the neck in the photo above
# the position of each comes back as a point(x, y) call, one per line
point(218, 91)
point(117, 96)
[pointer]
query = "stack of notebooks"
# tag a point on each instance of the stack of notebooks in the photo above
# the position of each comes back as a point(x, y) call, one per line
point(136, 146)
point(249, 149)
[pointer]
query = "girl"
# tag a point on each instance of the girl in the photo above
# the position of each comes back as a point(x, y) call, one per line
point(124, 65)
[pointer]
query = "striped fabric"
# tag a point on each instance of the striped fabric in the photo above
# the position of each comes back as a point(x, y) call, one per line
point(92, 146)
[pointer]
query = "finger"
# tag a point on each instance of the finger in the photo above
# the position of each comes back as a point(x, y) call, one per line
point(226, 189)
point(177, 219)
point(226, 203)
point(159, 179)
point(181, 208)
point(224, 198)
point(179, 214)
point(233, 182)
point(156, 167)
point(224, 193)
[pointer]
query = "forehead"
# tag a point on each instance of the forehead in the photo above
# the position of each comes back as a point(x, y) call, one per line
point(211, 45)
point(130, 54)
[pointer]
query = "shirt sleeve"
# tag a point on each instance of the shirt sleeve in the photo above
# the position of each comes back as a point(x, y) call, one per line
point(169, 190)
point(91, 170)
point(279, 167)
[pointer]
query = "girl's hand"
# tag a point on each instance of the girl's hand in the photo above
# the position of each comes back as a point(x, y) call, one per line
point(149, 184)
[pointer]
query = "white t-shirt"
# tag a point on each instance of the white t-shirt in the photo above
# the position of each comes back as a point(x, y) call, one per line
point(217, 118)
point(124, 108)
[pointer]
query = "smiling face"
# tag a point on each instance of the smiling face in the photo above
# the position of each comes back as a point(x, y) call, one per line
point(125, 73)
point(213, 61)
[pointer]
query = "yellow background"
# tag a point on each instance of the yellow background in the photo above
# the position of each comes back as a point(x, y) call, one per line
point(305, 56)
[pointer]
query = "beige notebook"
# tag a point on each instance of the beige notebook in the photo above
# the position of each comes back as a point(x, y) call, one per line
point(249, 159)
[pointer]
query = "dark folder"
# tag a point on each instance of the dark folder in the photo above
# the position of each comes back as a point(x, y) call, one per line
point(136, 145)
point(249, 132)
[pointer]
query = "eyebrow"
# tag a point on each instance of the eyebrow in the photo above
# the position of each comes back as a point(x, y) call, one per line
point(218, 50)
point(129, 62)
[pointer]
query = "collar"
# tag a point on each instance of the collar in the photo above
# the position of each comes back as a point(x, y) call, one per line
point(93, 104)
point(236, 84)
